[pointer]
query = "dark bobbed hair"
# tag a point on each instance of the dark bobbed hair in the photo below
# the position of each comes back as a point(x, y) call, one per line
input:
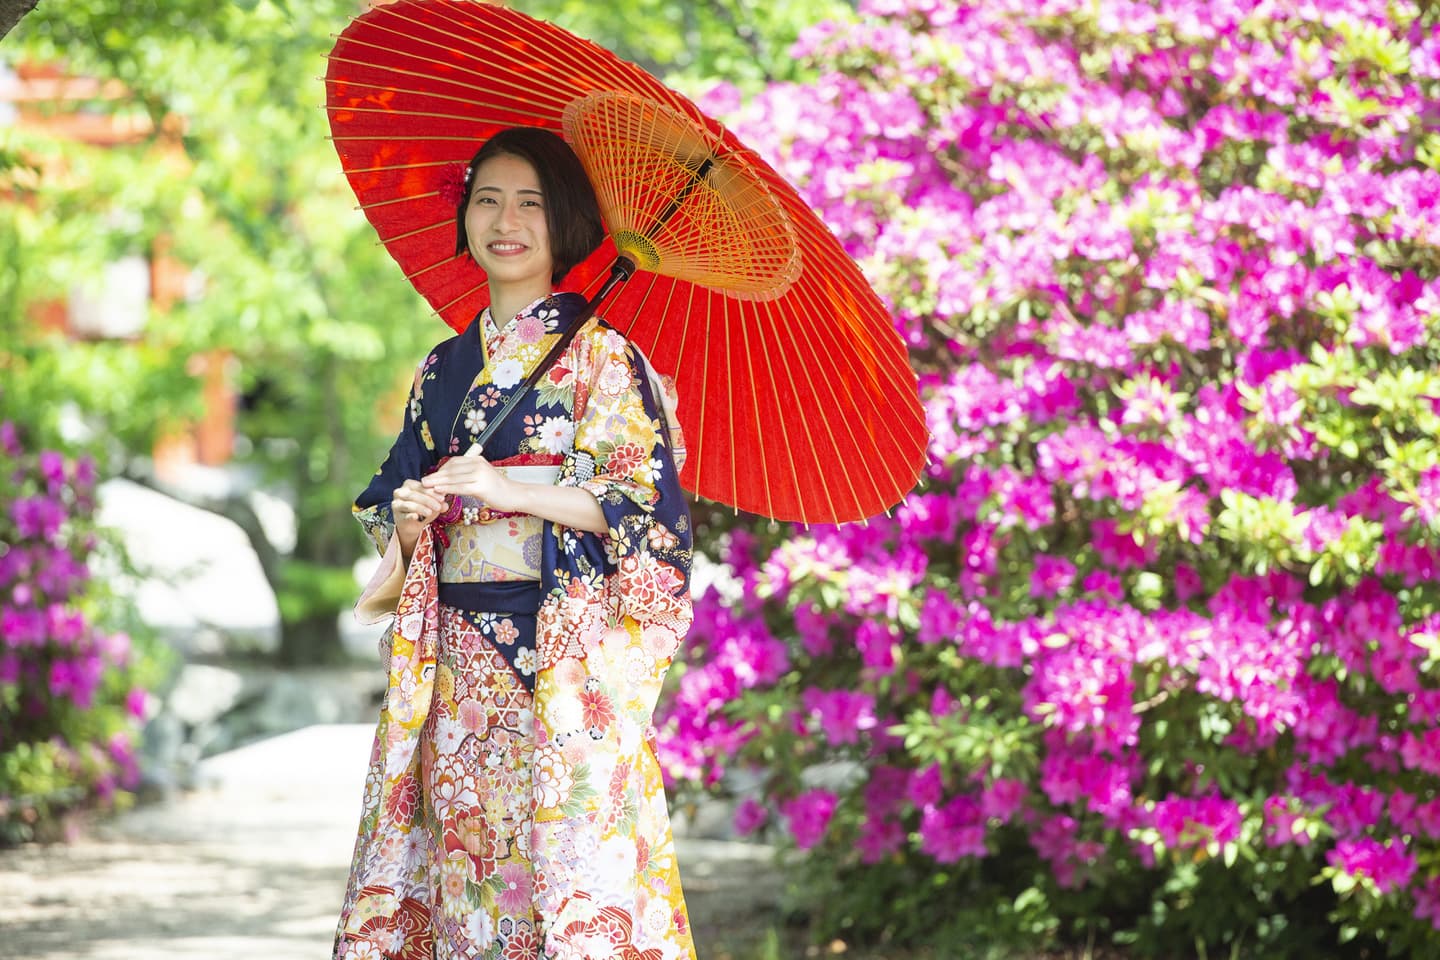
point(572, 214)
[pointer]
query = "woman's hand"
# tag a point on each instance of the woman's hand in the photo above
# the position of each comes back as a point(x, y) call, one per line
point(414, 507)
point(473, 476)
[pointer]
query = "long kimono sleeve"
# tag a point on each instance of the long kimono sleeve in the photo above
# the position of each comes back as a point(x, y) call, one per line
point(411, 456)
point(412, 453)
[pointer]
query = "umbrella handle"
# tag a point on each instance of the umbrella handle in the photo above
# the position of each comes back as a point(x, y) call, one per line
point(620, 271)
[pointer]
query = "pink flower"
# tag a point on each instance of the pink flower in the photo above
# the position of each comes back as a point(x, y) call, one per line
point(1051, 576)
point(1427, 902)
point(1188, 822)
point(841, 714)
point(750, 815)
point(1421, 751)
point(515, 888)
point(926, 786)
point(954, 831)
point(1120, 550)
point(1002, 798)
point(808, 816)
point(876, 642)
point(878, 839)
point(1389, 866)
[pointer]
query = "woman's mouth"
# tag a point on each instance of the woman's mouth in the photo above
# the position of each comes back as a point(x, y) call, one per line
point(506, 247)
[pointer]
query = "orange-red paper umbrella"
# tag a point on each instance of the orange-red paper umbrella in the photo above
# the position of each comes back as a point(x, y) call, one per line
point(796, 396)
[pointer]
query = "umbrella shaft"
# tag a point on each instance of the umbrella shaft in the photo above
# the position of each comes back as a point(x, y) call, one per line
point(696, 175)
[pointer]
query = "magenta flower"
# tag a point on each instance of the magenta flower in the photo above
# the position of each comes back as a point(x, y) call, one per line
point(1386, 865)
point(954, 831)
point(879, 838)
point(842, 716)
point(37, 518)
point(808, 816)
point(1051, 576)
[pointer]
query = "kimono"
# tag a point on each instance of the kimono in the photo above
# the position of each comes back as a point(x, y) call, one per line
point(514, 808)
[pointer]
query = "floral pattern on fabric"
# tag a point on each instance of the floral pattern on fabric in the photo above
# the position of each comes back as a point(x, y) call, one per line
point(439, 838)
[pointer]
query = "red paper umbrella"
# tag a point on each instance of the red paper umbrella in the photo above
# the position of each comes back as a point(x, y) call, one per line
point(796, 396)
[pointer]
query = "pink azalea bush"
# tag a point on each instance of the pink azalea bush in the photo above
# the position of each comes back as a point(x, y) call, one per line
point(1150, 657)
point(71, 702)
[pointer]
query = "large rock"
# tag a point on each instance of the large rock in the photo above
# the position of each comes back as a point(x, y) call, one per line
point(199, 582)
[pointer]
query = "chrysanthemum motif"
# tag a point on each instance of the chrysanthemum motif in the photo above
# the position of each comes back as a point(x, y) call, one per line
point(529, 329)
point(556, 434)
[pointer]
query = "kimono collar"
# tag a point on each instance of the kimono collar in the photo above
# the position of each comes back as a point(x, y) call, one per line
point(564, 305)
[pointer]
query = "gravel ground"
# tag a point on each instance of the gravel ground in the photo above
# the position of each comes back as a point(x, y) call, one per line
point(253, 864)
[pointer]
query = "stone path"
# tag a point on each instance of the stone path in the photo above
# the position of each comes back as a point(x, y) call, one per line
point(252, 865)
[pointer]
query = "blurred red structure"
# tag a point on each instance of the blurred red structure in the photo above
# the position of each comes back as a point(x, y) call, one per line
point(45, 98)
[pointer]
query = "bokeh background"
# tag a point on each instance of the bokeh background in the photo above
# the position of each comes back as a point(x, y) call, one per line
point(1146, 666)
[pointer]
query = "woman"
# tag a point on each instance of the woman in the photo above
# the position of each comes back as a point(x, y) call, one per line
point(514, 807)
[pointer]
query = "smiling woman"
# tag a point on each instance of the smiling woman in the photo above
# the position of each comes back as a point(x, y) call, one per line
point(506, 231)
point(539, 587)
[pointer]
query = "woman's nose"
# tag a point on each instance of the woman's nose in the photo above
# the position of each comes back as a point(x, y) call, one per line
point(509, 214)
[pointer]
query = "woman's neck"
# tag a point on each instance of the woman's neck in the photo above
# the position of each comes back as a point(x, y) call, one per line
point(506, 302)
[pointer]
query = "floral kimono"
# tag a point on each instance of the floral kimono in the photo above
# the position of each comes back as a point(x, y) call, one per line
point(514, 807)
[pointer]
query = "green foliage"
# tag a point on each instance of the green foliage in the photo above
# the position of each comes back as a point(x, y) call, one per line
point(693, 44)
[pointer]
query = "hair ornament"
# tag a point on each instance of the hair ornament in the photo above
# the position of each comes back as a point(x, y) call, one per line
point(454, 180)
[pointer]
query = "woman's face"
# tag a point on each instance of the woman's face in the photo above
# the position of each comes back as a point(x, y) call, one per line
point(505, 224)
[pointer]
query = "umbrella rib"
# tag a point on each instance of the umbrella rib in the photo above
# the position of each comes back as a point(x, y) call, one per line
point(374, 204)
point(436, 116)
point(762, 448)
point(613, 68)
point(665, 316)
point(412, 233)
point(433, 266)
point(520, 90)
point(698, 445)
point(381, 87)
point(468, 293)
point(398, 166)
point(785, 444)
point(804, 398)
point(730, 398)
point(865, 464)
point(834, 445)
point(444, 45)
point(891, 373)
point(618, 71)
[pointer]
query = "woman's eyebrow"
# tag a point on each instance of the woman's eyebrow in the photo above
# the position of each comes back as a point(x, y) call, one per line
point(501, 189)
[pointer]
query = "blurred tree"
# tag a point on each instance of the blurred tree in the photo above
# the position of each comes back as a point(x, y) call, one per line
point(11, 12)
point(742, 41)
point(237, 180)
point(232, 176)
